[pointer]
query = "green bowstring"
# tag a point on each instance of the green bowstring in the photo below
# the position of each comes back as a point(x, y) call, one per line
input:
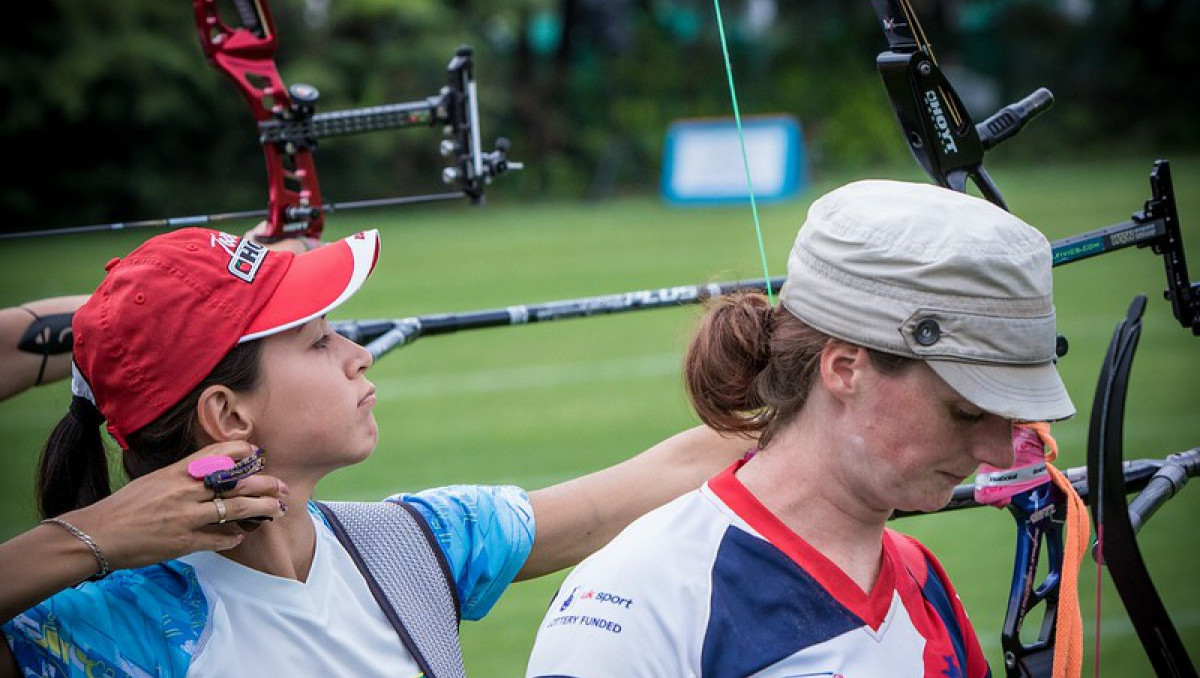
point(737, 120)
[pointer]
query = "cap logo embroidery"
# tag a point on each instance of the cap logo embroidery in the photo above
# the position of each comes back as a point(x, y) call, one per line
point(245, 260)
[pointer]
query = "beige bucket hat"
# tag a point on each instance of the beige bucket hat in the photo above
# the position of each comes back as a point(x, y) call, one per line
point(925, 272)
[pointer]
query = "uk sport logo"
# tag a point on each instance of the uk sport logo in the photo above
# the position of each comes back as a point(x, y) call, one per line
point(597, 596)
point(570, 599)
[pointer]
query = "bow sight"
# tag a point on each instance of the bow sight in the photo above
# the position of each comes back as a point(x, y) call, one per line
point(289, 128)
point(296, 127)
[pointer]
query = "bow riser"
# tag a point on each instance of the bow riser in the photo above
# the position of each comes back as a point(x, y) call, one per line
point(246, 55)
point(1039, 514)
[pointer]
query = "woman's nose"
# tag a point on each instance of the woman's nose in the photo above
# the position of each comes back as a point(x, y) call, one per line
point(359, 357)
point(365, 358)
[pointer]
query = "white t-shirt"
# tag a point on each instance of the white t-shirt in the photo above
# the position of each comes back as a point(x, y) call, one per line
point(251, 610)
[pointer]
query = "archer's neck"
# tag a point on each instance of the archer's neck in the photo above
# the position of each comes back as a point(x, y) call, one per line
point(282, 547)
point(801, 480)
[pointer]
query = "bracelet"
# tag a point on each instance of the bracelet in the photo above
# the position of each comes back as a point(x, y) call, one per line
point(105, 568)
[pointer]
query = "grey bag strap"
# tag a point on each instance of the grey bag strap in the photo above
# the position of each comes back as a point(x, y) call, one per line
point(407, 573)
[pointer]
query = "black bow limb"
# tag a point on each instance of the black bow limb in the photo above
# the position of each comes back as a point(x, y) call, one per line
point(1117, 545)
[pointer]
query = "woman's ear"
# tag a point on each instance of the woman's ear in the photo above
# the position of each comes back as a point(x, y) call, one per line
point(843, 367)
point(223, 415)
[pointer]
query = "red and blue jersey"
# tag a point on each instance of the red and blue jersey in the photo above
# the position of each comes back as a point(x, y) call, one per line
point(714, 585)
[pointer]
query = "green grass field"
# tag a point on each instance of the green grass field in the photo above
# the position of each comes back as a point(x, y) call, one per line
point(539, 404)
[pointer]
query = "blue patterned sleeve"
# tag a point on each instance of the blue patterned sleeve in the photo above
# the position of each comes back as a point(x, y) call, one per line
point(485, 532)
point(135, 623)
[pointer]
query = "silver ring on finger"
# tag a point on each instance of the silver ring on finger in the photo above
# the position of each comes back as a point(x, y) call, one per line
point(222, 512)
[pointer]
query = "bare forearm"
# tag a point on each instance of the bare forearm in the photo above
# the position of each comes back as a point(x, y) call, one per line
point(38, 564)
point(577, 517)
point(156, 517)
point(20, 369)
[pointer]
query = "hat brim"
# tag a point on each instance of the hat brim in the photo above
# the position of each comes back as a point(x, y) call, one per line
point(1019, 392)
point(317, 282)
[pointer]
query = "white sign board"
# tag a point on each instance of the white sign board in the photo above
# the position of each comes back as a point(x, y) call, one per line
point(702, 160)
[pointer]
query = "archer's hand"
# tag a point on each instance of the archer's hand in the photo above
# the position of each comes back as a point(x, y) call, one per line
point(167, 513)
point(297, 244)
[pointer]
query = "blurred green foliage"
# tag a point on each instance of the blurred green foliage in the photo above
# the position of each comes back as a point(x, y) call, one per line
point(115, 105)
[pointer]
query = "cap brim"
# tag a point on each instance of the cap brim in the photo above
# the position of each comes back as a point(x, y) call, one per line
point(317, 282)
point(1020, 392)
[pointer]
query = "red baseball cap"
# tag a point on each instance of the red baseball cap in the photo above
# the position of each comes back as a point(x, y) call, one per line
point(167, 313)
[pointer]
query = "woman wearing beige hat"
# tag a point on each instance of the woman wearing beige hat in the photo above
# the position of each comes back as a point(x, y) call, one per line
point(915, 326)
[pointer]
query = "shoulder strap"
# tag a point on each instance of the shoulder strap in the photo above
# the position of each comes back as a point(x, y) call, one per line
point(408, 575)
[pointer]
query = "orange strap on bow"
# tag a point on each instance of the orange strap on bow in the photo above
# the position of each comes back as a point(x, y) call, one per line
point(1068, 634)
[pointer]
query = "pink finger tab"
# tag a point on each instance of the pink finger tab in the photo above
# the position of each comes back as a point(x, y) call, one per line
point(202, 467)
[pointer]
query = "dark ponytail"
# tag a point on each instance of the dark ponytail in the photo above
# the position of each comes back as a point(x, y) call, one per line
point(73, 471)
point(74, 467)
point(750, 367)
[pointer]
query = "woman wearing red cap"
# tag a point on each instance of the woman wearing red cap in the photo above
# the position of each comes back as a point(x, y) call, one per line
point(203, 338)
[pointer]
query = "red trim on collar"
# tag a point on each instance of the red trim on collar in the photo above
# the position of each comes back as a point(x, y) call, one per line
point(872, 608)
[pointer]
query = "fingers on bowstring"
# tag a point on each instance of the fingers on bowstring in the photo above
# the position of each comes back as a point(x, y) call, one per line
point(242, 508)
point(229, 510)
point(218, 537)
point(260, 485)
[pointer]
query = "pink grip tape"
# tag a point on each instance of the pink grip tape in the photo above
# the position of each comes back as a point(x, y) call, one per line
point(997, 486)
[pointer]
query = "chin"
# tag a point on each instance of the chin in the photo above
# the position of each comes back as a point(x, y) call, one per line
point(929, 504)
point(365, 452)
